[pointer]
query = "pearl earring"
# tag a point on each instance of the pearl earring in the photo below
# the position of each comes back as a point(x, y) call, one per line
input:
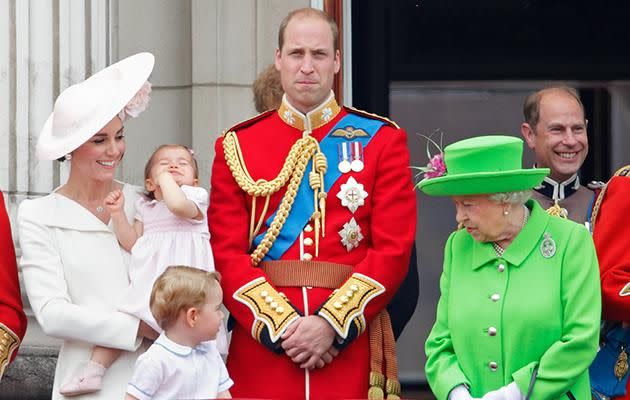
point(68, 157)
point(505, 212)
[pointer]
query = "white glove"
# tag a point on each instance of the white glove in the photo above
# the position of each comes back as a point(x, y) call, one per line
point(509, 392)
point(460, 392)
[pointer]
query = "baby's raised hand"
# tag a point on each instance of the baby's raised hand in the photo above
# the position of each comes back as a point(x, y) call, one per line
point(115, 201)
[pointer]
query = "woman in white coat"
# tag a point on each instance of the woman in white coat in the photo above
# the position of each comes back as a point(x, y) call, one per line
point(72, 264)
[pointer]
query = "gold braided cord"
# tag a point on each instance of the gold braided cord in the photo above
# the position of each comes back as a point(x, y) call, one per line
point(292, 171)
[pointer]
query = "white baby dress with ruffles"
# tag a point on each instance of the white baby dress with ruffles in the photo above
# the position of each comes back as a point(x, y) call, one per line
point(167, 240)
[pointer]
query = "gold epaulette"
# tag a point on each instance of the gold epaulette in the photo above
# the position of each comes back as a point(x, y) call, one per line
point(270, 308)
point(9, 342)
point(249, 122)
point(373, 116)
point(623, 171)
point(346, 305)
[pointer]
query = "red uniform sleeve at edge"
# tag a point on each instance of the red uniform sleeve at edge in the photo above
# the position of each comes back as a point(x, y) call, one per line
point(612, 229)
point(11, 308)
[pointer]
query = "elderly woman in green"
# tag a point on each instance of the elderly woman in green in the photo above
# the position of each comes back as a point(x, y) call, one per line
point(518, 316)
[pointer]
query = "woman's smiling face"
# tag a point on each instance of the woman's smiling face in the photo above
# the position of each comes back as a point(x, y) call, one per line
point(99, 157)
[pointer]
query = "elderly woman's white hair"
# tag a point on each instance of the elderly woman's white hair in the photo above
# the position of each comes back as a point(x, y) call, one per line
point(518, 197)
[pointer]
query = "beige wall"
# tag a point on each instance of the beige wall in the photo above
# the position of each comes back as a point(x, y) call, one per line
point(208, 53)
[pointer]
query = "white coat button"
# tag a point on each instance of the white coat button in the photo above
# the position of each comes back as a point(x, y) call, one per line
point(493, 366)
point(308, 228)
point(501, 267)
point(307, 257)
point(308, 242)
point(492, 331)
point(495, 297)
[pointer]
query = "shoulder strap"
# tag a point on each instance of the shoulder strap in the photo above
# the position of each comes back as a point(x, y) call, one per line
point(388, 121)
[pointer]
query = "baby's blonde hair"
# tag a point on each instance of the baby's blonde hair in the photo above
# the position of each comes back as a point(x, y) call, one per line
point(180, 288)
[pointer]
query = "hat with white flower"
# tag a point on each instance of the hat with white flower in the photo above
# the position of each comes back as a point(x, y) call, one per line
point(482, 165)
point(85, 108)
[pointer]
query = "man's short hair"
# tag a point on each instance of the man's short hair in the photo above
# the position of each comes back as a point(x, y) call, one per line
point(531, 107)
point(178, 289)
point(305, 13)
point(268, 89)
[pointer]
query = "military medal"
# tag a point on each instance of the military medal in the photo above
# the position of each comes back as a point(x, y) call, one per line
point(357, 157)
point(351, 234)
point(352, 194)
point(548, 246)
point(343, 152)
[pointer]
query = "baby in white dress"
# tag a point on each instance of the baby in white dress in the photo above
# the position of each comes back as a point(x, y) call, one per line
point(170, 228)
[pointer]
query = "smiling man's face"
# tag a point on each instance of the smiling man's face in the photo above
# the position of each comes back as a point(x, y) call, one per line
point(559, 140)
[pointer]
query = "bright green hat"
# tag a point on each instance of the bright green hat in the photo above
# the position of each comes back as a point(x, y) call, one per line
point(483, 165)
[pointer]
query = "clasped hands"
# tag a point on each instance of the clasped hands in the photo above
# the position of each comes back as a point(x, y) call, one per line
point(308, 341)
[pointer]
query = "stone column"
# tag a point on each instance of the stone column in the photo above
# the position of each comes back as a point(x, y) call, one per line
point(45, 46)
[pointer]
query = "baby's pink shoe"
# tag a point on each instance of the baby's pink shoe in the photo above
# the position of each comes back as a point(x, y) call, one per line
point(88, 380)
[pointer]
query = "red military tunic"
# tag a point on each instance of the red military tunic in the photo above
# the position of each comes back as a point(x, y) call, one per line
point(387, 220)
point(610, 234)
point(12, 317)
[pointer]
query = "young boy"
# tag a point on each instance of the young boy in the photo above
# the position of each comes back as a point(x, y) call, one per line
point(180, 364)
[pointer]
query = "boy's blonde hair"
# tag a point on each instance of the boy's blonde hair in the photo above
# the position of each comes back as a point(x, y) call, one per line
point(180, 288)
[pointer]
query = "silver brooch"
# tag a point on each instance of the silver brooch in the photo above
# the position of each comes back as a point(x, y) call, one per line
point(351, 234)
point(352, 194)
point(548, 246)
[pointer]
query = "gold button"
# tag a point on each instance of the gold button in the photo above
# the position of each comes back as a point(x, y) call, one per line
point(269, 299)
point(273, 305)
point(308, 242)
point(349, 293)
point(307, 257)
point(264, 294)
point(279, 310)
point(344, 299)
point(337, 305)
point(308, 228)
point(354, 288)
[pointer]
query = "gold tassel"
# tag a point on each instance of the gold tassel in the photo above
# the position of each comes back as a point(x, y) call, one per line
point(392, 387)
point(377, 382)
point(558, 211)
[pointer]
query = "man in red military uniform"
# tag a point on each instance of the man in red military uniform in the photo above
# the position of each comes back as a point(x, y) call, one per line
point(12, 317)
point(611, 228)
point(312, 216)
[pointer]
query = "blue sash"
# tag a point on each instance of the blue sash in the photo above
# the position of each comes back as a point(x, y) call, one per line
point(303, 207)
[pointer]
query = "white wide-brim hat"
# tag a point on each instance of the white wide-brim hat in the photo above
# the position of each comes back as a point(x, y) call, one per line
point(85, 108)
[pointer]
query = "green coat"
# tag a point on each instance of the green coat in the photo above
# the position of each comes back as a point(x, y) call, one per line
point(499, 318)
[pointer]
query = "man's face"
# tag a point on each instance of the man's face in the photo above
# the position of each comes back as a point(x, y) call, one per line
point(559, 139)
point(307, 62)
